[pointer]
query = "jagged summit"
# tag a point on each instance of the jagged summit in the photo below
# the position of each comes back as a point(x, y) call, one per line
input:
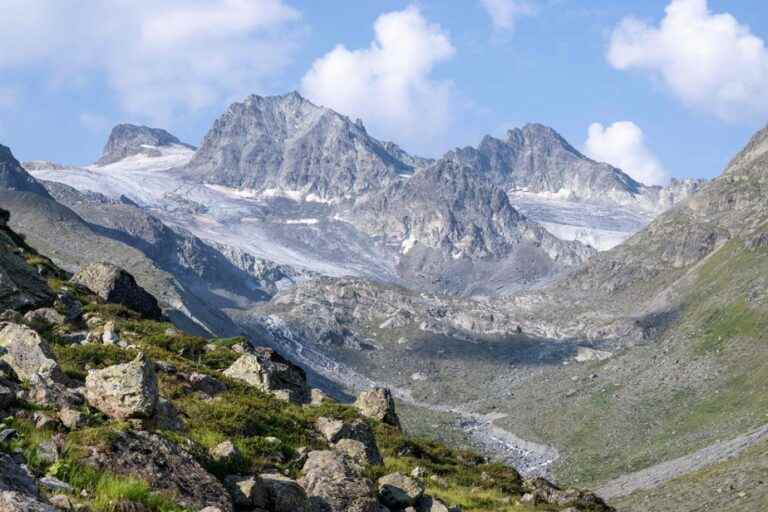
point(14, 177)
point(287, 144)
point(536, 158)
point(128, 140)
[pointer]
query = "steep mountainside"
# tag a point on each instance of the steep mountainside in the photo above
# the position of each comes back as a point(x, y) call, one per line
point(14, 177)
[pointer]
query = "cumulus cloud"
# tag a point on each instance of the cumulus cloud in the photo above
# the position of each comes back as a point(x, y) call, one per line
point(505, 13)
point(390, 83)
point(160, 58)
point(710, 61)
point(622, 145)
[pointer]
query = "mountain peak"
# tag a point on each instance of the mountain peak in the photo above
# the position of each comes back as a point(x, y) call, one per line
point(130, 139)
point(753, 159)
point(14, 177)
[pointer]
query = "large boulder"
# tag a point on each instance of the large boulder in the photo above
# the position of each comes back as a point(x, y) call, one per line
point(284, 494)
point(334, 485)
point(541, 491)
point(336, 431)
point(270, 372)
point(125, 390)
point(379, 405)
point(28, 354)
point(247, 491)
point(116, 286)
point(164, 466)
point(399, 491)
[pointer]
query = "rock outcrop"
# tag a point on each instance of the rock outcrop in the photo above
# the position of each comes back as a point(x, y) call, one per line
point(125, 390)
point(334, 485)
point(378, 404)
point(164, 466)
point(270, 372)
point(28, 354)
point(116, 286)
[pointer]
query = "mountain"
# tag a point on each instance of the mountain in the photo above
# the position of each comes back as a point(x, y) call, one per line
point(572, 196)
point(285, 145)
point(128, 140)
point(453, 225)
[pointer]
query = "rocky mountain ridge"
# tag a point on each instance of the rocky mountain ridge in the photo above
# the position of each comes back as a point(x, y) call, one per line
point(128, 140)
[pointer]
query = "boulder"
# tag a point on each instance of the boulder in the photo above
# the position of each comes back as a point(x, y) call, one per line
point(125, 390)
point(109, 335)
point(165, 466)
point(246, 491)
point(45, 316)
point(28, 354)
point(16, 502)
point(542, 491)
point(224, 452)
point(71, 418)
point(379, 405)
point(399, 491)
point(270, 372)
point(318, 396)
point(335, 431)
point(116, 286)
point(284, 494)
point(334, 485)
point(7, 396)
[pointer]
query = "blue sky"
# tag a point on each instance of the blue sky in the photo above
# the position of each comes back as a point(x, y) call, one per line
point(687, 89)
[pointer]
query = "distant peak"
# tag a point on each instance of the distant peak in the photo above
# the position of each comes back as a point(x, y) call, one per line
point(131, 139)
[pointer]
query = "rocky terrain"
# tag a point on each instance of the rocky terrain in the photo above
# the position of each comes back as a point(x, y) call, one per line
point(109, 408)
point(129, 140)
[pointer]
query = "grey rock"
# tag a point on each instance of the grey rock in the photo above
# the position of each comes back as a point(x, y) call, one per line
point(335, 431)
point(28, 354)
point(224, 452)
point(246, 491)
point(125, 390)
point(14, 177)
point(45, 315)
point(334, 485)
point(399, 491)
point(54, 484)
point(270, 372)
point(116, 286)
point(164, 466)
point(284, 494)
point(71, 418)
point(378, 404)
point(16, 502)
point(430, 504)
point(206, 384)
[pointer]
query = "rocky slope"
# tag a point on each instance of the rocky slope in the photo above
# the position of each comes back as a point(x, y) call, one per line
point(107, 410)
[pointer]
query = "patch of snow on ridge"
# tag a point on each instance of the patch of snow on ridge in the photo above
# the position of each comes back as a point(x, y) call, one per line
point(302, 221)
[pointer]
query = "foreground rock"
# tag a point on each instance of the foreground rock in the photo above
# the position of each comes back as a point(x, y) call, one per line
point(399, 491)
point(379, 405)
point(18, 490)
point(125, 390)
point(28, 354)
point(116, 286)
point(339, 434)
point(334, 485)
point(164, 466)
point(270, 372)
point(284, 494)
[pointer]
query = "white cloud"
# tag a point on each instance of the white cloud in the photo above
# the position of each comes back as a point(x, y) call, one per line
point(390, 83)
point(622, 145)
point(160, 58)
point(505, 13)
point(710, 61)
